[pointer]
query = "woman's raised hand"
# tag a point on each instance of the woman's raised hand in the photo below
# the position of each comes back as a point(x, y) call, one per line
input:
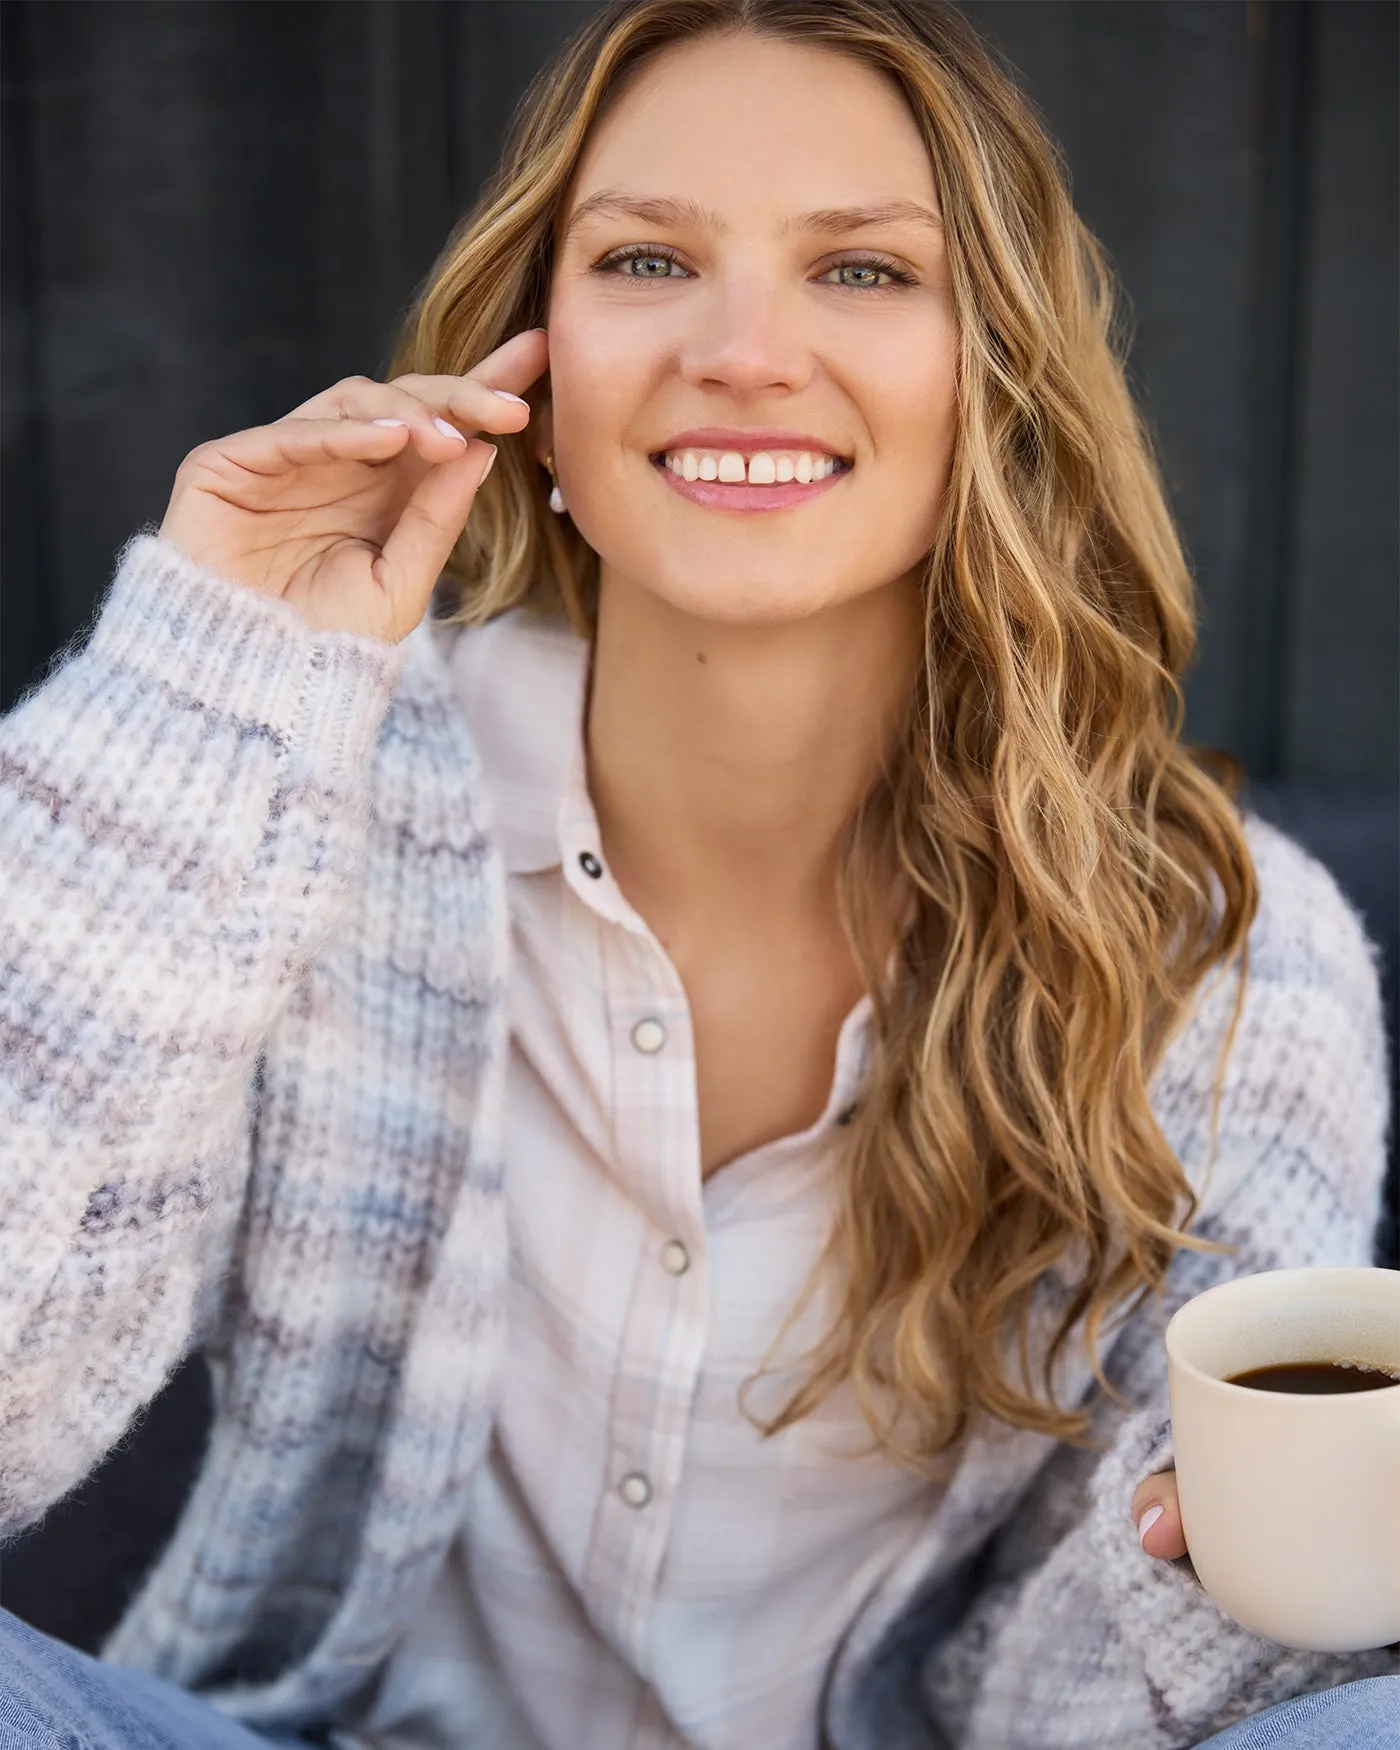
point(349, 506)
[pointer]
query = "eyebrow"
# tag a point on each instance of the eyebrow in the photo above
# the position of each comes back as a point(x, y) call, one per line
point(828, 221)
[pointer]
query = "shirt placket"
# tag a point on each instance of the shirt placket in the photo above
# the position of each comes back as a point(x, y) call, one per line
point(655, 1157)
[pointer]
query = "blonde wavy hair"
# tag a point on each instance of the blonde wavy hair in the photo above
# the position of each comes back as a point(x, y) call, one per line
point(1068, 872)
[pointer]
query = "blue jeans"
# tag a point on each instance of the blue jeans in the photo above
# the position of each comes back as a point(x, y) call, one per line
point(53, 1698)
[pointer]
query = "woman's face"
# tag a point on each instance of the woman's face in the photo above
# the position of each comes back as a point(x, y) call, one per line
point(750, 265)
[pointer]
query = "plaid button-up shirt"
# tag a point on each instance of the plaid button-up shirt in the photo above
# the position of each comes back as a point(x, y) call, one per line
point(638, 1568)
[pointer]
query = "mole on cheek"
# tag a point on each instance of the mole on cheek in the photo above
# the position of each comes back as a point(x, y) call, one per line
point(700, 656)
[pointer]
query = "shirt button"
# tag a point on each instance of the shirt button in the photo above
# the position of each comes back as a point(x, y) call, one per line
point(635, 1489)
point(675, 1260)
point(649, 1035)
point(590, 864)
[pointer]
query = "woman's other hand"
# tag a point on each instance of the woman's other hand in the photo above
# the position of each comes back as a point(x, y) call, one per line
point(1157, 1516)
point(348, 507)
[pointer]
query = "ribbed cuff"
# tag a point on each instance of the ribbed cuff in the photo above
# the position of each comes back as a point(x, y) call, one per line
point(249, 656)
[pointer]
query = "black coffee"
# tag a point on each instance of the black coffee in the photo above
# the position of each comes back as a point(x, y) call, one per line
point(1316, 1377)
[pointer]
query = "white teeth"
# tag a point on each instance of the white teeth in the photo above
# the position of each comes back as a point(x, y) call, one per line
point(764, 468)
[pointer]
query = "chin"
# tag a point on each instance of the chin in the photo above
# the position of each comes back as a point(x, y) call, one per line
point(763, 600)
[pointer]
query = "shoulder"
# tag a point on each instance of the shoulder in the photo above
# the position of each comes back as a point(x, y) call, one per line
point(1306, 934)
point(1309, 965)
point(1285, 1080)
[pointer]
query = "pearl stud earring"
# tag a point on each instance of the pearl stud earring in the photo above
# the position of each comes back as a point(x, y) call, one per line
point(556, 497)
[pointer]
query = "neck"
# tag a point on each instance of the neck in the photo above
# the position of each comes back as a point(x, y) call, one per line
point(726, 762)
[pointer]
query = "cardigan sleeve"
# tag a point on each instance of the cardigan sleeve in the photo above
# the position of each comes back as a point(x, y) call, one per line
point(1076, 1639)
point(183, 809)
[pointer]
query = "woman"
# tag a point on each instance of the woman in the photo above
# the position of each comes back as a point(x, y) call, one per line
point(757, 1341)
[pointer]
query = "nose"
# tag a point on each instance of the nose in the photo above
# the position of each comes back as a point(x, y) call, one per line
point(747, 336)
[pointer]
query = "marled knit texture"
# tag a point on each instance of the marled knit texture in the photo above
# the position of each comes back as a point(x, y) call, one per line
point(201, 867)
point(252, 965)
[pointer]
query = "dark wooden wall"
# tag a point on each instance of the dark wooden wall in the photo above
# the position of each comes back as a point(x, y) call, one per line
point(214, 207)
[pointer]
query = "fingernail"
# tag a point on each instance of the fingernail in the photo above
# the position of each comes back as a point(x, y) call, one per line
point(506, 395)
point(1149, 1519)
point(386, 422)
point(449, 430)
point(490, 464)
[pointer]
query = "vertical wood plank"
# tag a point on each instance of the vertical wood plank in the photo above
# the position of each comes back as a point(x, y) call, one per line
point(29, 628)
point(383, 174)
point(1281, 121)
point(497, 47)
point(1342, 703)
point(172, 259)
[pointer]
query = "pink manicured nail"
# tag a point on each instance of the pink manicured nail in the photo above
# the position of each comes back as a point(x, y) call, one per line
point(386, 422)
point(490, 464)
point(506, 395)
point(449, 430)
point(1149, 1519)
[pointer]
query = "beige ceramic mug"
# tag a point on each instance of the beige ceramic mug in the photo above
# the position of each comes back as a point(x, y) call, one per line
point(1291, 1503)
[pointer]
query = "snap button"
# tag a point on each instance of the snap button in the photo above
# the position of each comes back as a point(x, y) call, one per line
point(649, 1035)
point(635, 1489)
point(590, 864)
point(675, 1260)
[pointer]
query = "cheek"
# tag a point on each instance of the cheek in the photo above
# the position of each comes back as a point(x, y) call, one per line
point(918, 393)
point(913, 426)
point(596, 374)
point(599, 378)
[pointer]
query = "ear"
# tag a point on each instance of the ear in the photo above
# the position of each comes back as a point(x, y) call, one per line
point(542, 420)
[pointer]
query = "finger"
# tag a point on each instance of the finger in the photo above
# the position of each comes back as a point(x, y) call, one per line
point(1157, 1514)
point(358, 398)
point(434, 408)
point(485, 399)
point(514, 365)
point(273, 449)
point(427, 530)
point(434, 438)
point(367, 396)
point(465, 402)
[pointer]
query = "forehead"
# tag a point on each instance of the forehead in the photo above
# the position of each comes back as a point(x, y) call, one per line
point(749, 126)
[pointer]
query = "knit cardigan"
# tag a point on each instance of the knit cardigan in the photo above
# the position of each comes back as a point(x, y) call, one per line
point(253, 954)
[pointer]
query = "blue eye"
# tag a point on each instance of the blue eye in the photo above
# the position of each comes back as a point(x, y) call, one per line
point(640, 262)
point(867, 274)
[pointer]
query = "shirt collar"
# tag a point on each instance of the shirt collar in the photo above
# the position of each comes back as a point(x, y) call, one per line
point(521, 680)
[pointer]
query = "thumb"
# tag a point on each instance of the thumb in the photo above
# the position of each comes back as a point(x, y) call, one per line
point(429, 525)
point(1157, 1515)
